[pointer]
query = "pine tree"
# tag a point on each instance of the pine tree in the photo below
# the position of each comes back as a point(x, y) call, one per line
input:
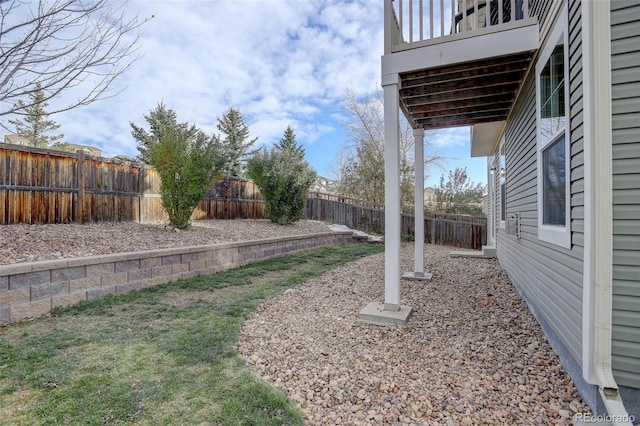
point(35, 126)
point(283, 178)
point(288, 144)
point(161, 120)
point(187, 160)
point(236, 143)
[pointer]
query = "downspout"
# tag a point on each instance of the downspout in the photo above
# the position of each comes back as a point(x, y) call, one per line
point(598, 217)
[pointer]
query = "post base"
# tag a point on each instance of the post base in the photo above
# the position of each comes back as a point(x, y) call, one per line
point(374, 313)
point(417, 276)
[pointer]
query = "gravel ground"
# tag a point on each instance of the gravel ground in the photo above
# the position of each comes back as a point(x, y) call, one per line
point(471, 354)
point(28, 243)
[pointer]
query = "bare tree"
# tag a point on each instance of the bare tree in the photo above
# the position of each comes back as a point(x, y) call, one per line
point(61, 45)
point(361, 164)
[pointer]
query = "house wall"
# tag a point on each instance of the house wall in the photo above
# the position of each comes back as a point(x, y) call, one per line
point(625, 64)
point(548, 276)
point(493, 180)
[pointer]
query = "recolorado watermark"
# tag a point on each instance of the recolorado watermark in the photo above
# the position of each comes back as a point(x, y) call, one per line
point(585, 419)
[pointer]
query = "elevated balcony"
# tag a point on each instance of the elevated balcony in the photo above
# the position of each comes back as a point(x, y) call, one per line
point(459, 62)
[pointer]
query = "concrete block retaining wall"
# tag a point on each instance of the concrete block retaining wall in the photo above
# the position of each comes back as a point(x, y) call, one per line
point(34, 288)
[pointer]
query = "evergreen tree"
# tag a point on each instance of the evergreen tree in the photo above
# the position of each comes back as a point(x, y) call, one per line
point(187, 160)
point(288, 145)
point(284, 179)
point(235, 144)
point(161, 120)
point(35, 127)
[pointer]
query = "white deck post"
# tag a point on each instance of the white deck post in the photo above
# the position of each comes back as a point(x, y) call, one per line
point(418, 273)
point(418, 136)
point(392, 215)
point(390, 312)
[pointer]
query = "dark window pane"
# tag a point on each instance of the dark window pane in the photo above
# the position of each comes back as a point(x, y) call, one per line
point(503, 202)
point(554, 183)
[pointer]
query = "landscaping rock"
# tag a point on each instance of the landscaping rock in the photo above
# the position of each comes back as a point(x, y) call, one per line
point(30, 243)
point(471, 354)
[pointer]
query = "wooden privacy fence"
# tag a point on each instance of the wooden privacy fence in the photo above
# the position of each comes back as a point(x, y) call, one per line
point(48, 186)
point(439, 228)
point(228, 198)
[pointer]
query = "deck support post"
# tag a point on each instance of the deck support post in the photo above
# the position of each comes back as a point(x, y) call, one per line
point(418, 137)
point(392, 218)
point(418, 273)
point(391, 312)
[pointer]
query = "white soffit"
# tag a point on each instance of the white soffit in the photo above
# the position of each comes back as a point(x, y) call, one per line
point(484, 137)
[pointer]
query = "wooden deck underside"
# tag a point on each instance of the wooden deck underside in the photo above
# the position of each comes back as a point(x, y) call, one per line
point(463, 94)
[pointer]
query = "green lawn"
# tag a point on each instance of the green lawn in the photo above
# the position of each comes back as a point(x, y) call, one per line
point(163, 355)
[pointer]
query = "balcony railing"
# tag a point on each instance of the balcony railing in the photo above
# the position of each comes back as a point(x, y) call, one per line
point(421, 21)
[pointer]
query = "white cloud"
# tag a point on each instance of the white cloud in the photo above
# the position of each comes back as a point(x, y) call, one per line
point(449, 138)
point(280, 62)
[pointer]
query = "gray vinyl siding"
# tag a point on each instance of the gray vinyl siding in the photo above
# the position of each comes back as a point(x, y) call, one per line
point(548, 276)
point(625, 76)
point(577, 139)
point(540, 9)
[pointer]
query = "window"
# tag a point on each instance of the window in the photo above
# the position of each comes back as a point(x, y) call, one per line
point(553, 139)
point(552, 96)
point(554, 183)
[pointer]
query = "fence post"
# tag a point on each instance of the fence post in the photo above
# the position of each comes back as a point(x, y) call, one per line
point(142, 189)
point(80, 203)
point(433, 230)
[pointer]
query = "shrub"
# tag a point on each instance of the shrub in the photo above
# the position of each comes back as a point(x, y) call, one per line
point(188, 163)
point(187, 160)
point(284, 179)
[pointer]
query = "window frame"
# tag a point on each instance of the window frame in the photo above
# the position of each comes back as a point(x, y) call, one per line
point(556, 234)
point(501, 182)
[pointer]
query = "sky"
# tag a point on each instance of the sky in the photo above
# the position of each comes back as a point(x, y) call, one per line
point(278, 62)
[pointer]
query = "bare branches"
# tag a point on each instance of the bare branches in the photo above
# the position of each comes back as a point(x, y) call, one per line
point(361, 165)
point(63, 45)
